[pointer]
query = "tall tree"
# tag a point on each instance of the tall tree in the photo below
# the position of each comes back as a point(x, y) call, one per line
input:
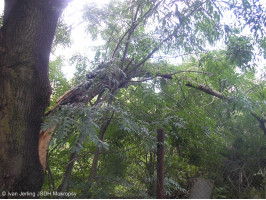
point(25, 44)
point(142, 30)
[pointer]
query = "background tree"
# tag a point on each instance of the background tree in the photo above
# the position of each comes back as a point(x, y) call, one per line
point(104, 127)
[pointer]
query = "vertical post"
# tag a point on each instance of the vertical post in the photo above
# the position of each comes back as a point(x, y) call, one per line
point(160, 164)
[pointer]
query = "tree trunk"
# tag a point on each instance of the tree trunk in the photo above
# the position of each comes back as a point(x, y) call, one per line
point(63, 187)
point(95, 161)
point(150, 170)
point(25, 44)
point(160, 165)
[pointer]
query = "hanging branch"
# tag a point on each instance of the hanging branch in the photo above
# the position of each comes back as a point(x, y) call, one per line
point(210, 91)
point(206, 89)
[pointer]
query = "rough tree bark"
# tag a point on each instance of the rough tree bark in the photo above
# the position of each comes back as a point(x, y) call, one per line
point(25, 44)
point(160, 164)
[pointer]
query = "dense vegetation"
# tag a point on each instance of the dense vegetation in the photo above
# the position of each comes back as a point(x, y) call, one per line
point(211, 105)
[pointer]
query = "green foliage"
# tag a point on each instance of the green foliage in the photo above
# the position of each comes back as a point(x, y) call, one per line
point(201, 137)
point(70, 121)
point(62, 35)
point(206, 136)
point(81, 63)
point(145, 26)
point(251, 14)
point(58, 80)
point(262, 43)
point(239, 51)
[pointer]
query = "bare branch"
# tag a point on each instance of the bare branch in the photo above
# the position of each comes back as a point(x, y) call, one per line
point(128, 38)
point(134, 27)
point(206, 89)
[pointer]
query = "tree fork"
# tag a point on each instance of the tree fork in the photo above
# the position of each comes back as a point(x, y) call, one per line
point(160, 164)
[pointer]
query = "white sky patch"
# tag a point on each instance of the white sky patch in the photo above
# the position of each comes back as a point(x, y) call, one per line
point(81, 41)
point(1, 6)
